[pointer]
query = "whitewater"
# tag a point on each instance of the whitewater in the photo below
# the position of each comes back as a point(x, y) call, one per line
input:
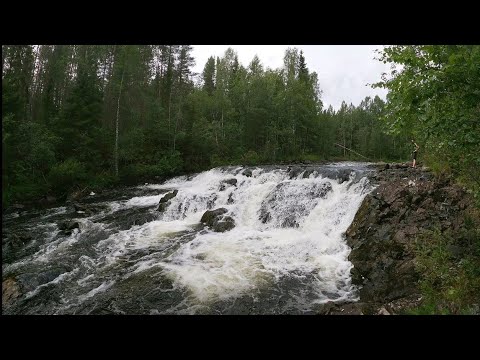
point(286, 253)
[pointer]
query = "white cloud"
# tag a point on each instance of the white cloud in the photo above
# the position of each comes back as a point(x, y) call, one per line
point(343, 70)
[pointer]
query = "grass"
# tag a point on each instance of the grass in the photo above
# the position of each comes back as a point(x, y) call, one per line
point(449, 265)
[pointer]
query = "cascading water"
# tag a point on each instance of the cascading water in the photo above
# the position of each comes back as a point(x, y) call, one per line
point(285, 254)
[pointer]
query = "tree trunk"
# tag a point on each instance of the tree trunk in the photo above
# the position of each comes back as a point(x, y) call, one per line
point(223, 129)
point(169, 113)
point(117, 121)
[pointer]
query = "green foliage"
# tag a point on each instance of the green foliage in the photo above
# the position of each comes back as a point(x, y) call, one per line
point(60, 105)
point(250, 158)
point(102, 181)
point(166, 165)
point(450, 278)
point(434, 96)
point(67, 175)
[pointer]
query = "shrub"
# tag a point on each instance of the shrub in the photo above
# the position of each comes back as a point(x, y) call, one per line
point(450, 284)
point(251, 158)
point(66, 175)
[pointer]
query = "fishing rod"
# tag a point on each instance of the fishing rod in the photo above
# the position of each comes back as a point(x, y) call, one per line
point(352, 151)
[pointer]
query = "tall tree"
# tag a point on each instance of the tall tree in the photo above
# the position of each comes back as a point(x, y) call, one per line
point(209, 76)
point(435, 98)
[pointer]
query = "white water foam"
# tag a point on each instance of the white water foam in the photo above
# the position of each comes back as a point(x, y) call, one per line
point(287, 230)
point(254, 255)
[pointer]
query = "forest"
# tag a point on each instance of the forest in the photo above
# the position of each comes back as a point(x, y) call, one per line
point(94, 116)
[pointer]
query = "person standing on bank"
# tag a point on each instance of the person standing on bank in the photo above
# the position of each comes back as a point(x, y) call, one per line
point(415, 150)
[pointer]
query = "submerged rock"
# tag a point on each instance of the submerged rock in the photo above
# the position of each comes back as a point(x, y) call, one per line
point(285, 199)
point(223, 184)
point(226, 224)
point(14, 242)
point(307, 173)
point(68, 226)
point(88, 209)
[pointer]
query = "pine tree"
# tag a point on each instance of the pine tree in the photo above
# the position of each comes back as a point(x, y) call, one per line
point(209, 76)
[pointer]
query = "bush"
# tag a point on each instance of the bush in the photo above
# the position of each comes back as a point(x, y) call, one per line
point(167, 165)
point(102, 181)
point(449, 284)
point(66, 175)
point(250, 158)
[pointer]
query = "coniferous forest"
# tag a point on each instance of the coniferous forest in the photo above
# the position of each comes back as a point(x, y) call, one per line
point(76, 116)
point(83, 124)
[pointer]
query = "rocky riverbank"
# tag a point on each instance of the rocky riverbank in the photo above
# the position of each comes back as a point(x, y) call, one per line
point(407, 203)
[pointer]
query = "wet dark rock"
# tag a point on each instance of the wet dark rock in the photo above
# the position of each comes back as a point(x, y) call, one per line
point(307, 173)
point(265, 215)
point(282, 200)
point(230, 199)
point(31, 281)
point(47, 201)
point(211, 202)
point(68, 226)
point(51, 274)
point(87, 209)
point(386, 226)
point(15, 240)
point(168, 196)
point(331, 308)
point(127, 218)
point(224, 183)
point(162, 207)
point(290, 222)
point(226, 224)
point(215, 220)
point(247, 172)
point(210, 216)
point(343, 175)
point(164, 201)
point(293, 172)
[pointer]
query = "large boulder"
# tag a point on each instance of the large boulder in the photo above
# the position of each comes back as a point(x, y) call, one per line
point(294, 171)
point(164, 201)
point(168, 196)
point(247, 172)
point(217, 221)
point(383, 233)
point(210, 216)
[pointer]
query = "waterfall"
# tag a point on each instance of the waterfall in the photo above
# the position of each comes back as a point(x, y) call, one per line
point(285, 254)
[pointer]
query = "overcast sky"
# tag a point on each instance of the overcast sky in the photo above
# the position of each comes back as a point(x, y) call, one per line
point(343, 70)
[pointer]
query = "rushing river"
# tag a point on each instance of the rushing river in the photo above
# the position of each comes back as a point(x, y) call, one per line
point(285, 255)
